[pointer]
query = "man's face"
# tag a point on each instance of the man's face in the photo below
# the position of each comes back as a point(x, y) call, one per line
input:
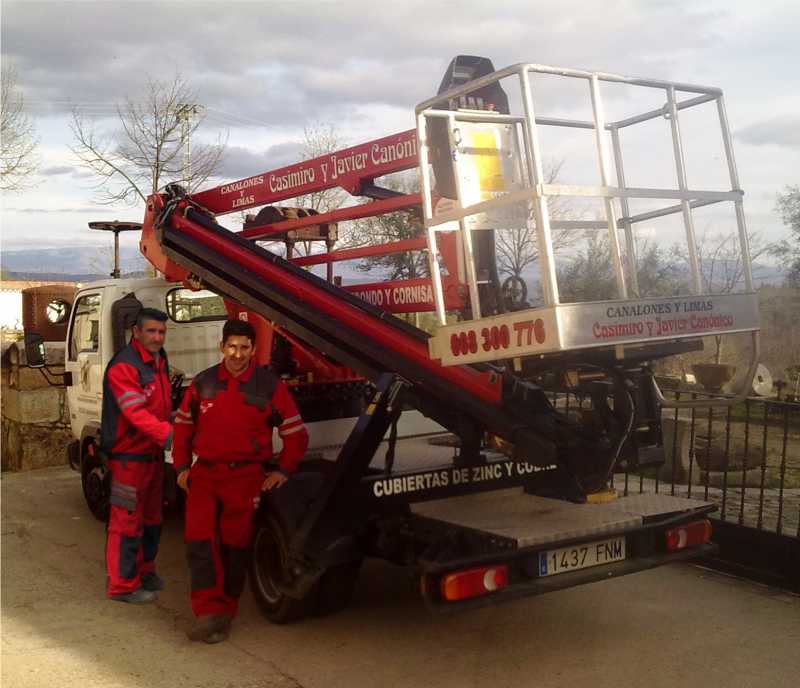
point(150, 335)
point(237, 352)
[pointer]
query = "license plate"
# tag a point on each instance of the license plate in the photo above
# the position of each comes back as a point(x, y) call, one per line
point(566, 559)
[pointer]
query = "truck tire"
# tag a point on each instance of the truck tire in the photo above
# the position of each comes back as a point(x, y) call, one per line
point(336, 587)
point(267, 573)
point(96, 483)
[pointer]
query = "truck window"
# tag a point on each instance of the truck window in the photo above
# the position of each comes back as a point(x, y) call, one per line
point(185, 305)
point(85, 333)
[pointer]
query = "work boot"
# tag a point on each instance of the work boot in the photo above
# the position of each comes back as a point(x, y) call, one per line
point(138, 596)
point(210, 629)
point(152, 582)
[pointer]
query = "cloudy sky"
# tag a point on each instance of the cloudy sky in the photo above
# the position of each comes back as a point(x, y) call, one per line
point(264, 70)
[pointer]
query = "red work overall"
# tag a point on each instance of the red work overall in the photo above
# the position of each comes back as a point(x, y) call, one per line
point(227, 423)
point(135, 429)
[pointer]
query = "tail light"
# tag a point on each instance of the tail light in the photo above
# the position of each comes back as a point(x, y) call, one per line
point(461, 585)
point(689, 535)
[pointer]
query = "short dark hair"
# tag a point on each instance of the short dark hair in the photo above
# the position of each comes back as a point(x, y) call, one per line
point(150, 314)
point(238, 328)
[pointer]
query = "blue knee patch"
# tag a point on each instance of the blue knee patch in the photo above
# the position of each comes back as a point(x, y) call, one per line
point(200, 554)
point(151, 536)
point(128, 549)
point(234, 562)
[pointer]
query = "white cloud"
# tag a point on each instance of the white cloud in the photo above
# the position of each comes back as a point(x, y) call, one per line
point(783, 130)
point(265, 70)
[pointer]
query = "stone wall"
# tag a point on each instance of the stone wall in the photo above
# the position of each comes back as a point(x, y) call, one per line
point(35, 415)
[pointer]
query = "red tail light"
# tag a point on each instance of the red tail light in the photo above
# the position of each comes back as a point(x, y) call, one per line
point(461, 585)
point(690, 535)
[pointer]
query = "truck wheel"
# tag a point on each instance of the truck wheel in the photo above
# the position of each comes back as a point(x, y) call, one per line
point(336, 587)
point(267, 573)
point(96, 483)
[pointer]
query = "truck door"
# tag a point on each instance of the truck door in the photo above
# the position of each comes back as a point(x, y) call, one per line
point(84, 361)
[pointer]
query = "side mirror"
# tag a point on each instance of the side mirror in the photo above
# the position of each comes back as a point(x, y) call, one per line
point(57, 311)
point(34, 350)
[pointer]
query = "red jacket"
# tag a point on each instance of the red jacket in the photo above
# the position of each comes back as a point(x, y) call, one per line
point(137, 404)
point(228, 419)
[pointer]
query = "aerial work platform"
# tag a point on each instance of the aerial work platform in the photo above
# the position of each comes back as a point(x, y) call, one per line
point(481, 166)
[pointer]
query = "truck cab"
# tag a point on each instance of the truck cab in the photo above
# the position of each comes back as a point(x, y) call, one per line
point(100, 325)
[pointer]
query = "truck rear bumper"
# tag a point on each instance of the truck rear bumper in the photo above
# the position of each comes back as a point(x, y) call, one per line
point(537, 545)
point(540, 586)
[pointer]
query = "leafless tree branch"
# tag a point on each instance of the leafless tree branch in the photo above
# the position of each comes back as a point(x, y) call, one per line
point(18, 160)
point(148, 149)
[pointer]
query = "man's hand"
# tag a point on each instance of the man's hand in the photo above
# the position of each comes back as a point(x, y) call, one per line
point(273, 479)
point(183, 480)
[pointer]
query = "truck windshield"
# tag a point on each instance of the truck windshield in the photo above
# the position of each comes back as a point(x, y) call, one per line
point(185, 305)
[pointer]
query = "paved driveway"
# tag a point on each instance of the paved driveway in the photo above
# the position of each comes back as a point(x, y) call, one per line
point(675, 626)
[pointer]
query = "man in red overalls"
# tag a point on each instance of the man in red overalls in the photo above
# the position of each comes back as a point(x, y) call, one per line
point(226, 420)
point(135, 430)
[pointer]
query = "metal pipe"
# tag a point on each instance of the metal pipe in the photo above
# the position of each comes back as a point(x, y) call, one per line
point(116, 273)
point(466, 232)
point(475, 116)
point(625, 219)
point(653, 214)
point(352, 212)
point(660, 112)
point(631, 192)
point(427, 213)
point(602, 155)
point(688, 221)
point(744, 240)
point(402, 246)
point(524, 68)
point(578, 224)
point(540, 210)
point(739, 395)
point(490, 116)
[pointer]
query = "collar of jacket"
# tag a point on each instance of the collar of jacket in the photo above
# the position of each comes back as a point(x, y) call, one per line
point(223, 373)
point(145, 355)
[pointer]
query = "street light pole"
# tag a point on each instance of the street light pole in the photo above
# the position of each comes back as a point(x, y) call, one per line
point(184, 114)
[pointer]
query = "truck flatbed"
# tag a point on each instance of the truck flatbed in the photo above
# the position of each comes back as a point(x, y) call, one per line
point(525, 520)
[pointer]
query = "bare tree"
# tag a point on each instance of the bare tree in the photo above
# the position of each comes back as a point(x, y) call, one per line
point(788, 250)
point(722, 266)
point(516, 249)
point(385, 229)
point(589, 275)
point(151, 146)
point(318, 140)
point(720, 258)
point(18, 159)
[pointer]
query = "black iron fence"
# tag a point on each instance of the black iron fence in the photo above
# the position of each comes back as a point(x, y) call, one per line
point(744, 458)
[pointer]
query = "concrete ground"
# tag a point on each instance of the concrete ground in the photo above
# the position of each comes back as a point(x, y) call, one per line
point(675, 626)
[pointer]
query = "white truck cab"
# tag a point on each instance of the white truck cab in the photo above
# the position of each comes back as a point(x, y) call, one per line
point(99, 325)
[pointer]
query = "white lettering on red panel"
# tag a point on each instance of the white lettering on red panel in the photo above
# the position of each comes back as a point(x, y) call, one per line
point(387, 297)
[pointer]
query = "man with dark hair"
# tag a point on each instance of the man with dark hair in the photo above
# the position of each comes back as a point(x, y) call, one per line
point(135, 430)
point(226, 420)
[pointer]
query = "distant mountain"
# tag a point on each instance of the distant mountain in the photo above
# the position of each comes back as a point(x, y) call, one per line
point(763, 275)
point(63, 276)
point(772, 275)
point(83, 261)
point(86, 263)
